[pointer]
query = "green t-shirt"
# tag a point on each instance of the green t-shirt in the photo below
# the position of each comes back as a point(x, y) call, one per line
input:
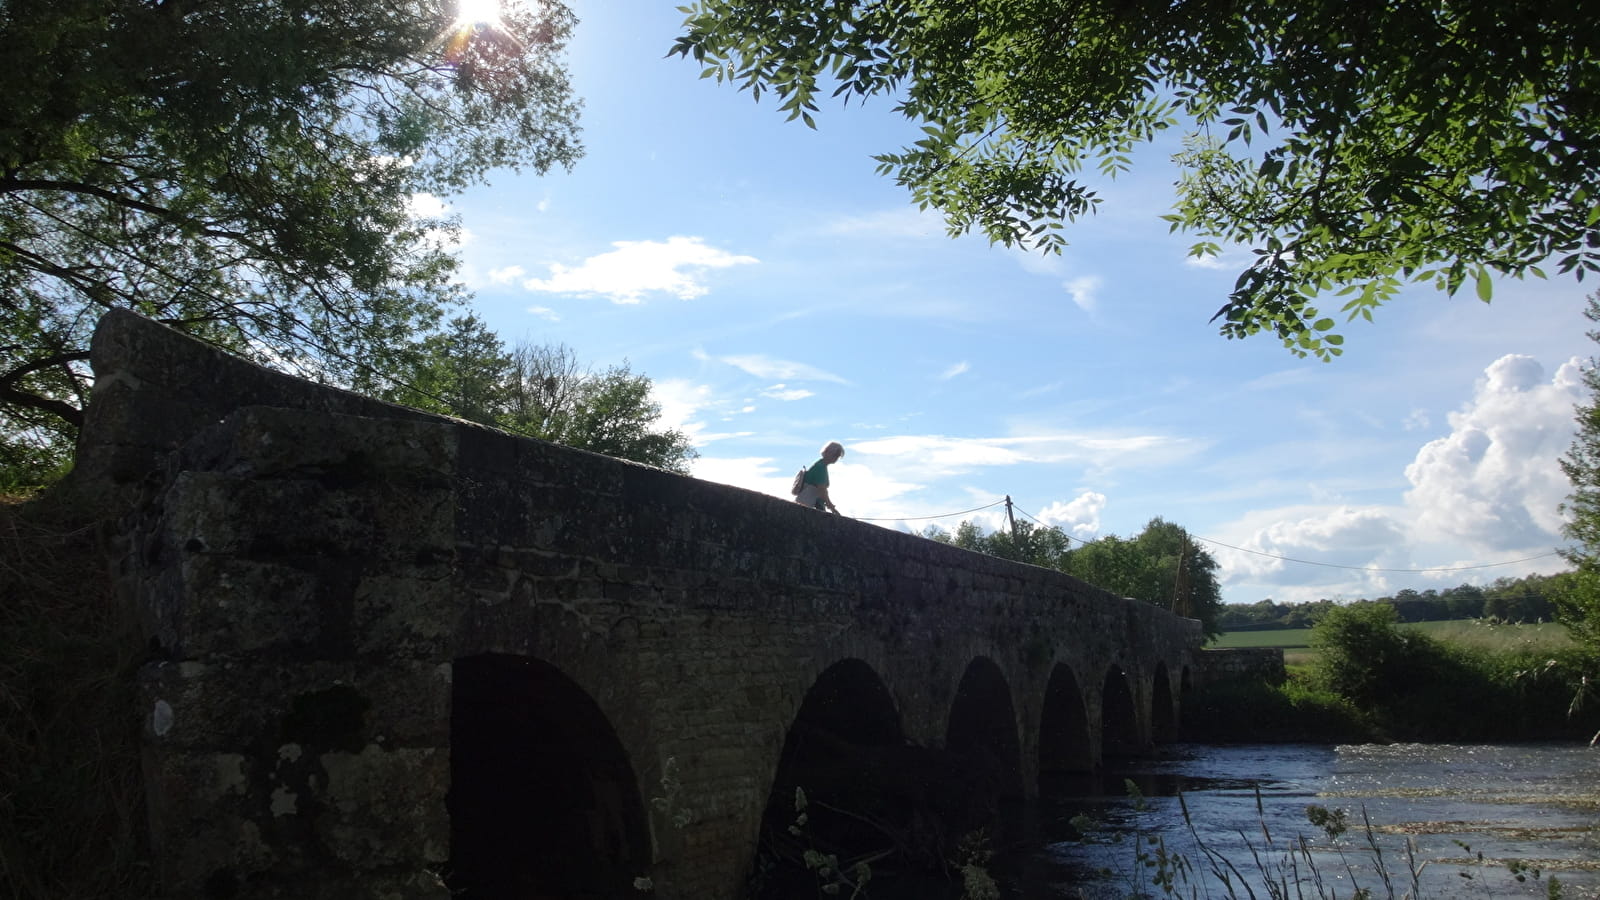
point(818, 473)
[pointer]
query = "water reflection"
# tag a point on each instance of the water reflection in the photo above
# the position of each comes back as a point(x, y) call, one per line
point(1464, 807)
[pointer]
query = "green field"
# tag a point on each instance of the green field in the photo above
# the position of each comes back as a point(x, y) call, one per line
point(1468, 632)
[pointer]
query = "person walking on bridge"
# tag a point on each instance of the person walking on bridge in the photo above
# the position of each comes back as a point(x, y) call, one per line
point(814, 491)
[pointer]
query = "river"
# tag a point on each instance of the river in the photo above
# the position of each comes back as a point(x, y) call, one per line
point(1464, 809)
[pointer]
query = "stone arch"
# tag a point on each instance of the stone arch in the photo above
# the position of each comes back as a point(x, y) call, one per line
point(1065, 740)
point(543, 800)
point(1119, 716)
point(1163, 712)
point(982, 735)
point(841, 751)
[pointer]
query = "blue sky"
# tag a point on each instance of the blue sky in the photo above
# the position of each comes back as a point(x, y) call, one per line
point(781, 294)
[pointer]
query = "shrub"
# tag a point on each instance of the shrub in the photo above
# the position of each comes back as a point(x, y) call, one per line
point(1247, 711)
point(1414, 687)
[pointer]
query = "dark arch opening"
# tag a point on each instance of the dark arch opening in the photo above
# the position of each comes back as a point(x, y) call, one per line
point(869, 795)
point(1119, 722)
point(1064, 736)
point(982, 735)
point(543, 801)
point(1163, 718)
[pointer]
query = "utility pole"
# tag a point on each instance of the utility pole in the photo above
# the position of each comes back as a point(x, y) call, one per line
point(1013, 520)
point(1180, 598)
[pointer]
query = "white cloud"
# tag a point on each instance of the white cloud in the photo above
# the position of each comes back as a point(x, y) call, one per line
point(754, 473)
point(1495, 480)
point(545, 312)
point(1082, 291)
point(854, 487)
point(1348, 541)
point(1035, 263)
point(770, 367)
point(681, 402)
point(427, 206)
point(960, 368)
point(786, 393)
point(934, 456)
point(449, 234)
point(1485, 493)
point(906, 222)
point(1079, 517)
point(506, 275)
point(636, 268)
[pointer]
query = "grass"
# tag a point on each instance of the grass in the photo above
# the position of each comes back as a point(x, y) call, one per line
point(1285, 638)
point(1484, 635)
point(1478, 634)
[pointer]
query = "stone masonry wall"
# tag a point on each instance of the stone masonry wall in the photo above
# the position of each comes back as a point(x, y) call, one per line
point(312, 565)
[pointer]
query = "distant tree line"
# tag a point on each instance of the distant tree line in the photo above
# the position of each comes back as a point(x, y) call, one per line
point(1530, 598)
point(1161, 564)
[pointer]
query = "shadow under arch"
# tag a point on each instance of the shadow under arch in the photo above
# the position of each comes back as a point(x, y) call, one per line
point(543, 801)
point(1119, 719)
point(1066, 753)
point(1163, 714)
point(868, 793)
point(982, 735)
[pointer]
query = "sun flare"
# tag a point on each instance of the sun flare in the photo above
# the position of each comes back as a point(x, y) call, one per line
point(477, 12)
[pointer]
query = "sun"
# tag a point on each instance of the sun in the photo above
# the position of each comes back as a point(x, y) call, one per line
point(477, 12)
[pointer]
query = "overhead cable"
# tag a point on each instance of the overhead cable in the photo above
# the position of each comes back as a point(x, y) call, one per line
point(1309, 562)
point(940, 516)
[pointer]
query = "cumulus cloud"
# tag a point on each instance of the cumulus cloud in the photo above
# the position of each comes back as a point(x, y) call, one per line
point(544, 312)
point(1079, 517)
point(754, 473)
point(1495, 480)
point(677, 267)
point(1485, 492)
point(1349, 541)
point(427, 206)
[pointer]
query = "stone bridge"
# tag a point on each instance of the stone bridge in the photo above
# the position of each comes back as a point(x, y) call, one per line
point(388, 648)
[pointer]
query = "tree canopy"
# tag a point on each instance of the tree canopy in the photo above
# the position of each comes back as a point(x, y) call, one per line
point(465, 370)
point(1578, 600)
point(245, 172)
point(1161, 564)
point(1353, 147)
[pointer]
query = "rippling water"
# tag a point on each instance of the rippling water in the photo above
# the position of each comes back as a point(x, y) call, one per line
point(1463, 808)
